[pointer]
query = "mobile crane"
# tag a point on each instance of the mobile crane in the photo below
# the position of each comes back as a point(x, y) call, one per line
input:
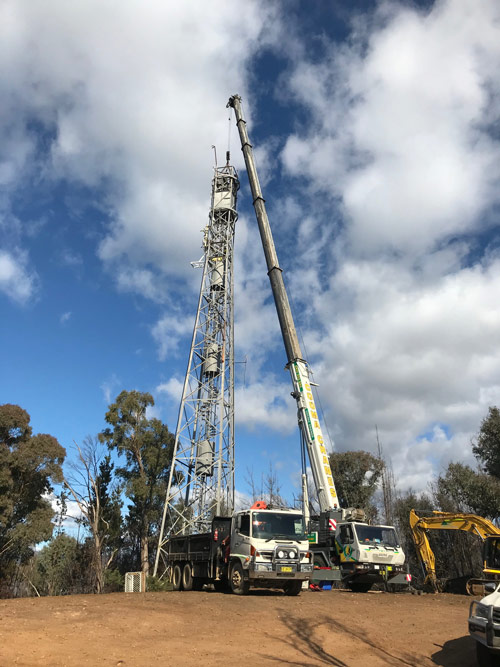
point(344, 546)
point(470, 523)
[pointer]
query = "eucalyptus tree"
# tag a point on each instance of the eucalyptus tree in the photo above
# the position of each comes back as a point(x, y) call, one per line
point(29, 466)
point(147, 446)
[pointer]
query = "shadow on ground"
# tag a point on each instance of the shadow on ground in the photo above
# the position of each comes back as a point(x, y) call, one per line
point(303, 638)
point(459, 652)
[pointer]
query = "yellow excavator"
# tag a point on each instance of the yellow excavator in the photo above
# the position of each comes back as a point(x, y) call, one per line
point(469, 523)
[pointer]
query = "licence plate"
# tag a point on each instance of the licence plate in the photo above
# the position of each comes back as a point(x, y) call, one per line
point(285, 568)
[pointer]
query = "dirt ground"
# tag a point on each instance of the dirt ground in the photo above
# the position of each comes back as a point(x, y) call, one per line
point(265, 628)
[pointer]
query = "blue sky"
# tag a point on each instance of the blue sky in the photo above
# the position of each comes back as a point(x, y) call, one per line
point(375, 127)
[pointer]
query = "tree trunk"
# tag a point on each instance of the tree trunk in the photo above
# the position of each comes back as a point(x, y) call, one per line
point(98, 569)
point(145, 555)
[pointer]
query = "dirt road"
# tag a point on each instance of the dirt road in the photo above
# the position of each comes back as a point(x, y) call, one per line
point(265, 628)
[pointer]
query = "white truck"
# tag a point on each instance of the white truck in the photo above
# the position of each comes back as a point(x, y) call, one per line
point(484, 626)
point(344, 547)
point(261, 547)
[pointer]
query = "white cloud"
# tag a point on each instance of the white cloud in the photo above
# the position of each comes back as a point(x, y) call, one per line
point(17, 280)
point(241, 500)
point(65, 317)
point(71, 518)
point(408, 356)
point(401, 125)
point(122, 99)
point(403, 293)
point(141, 281)
point(169, 330)
point(265, 402)
point(109, 388)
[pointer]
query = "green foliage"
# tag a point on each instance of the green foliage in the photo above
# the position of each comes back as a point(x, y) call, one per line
point(487, 446)
point(356, 476)
point(462, 489)
point(157, 585)
point(114, 581)
point(28, 466)
point(107, 495)
point(147, 446)
point(57, 566)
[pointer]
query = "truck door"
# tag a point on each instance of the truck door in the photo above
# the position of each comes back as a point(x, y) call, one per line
point(241, 538)
point(221, 531)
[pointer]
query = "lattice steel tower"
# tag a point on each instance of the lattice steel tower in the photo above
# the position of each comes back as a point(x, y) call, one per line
point(201, 483)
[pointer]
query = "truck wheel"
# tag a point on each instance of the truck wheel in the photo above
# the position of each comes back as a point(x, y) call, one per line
point(359, 588)
point(187, 578)
point(239, 585)
point(293, 587)
point(177, 578)
point(485, 658)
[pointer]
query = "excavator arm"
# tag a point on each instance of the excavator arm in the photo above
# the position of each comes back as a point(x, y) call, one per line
point(469, 523)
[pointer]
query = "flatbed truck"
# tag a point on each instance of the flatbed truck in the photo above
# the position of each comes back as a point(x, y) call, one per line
point(260, 548)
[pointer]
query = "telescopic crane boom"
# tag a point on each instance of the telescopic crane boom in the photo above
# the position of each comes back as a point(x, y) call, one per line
point(297, 365)
point(353, 551)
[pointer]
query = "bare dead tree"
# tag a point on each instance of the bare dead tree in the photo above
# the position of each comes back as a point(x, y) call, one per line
point(85, 484)
point(388, 485)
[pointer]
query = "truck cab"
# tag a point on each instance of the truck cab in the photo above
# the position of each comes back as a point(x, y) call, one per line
point(268, 548)
point(369, 553)
point(359, 554)
point(484, 626)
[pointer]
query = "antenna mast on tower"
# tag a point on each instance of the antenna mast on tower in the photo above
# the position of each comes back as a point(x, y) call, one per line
point(201, 483)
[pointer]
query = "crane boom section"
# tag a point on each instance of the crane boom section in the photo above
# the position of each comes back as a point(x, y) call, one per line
point(297, 366)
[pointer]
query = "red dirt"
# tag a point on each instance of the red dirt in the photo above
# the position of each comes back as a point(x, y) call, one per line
point(265, 628)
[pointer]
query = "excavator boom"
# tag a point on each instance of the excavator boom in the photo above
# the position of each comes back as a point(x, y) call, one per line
point(469, 523)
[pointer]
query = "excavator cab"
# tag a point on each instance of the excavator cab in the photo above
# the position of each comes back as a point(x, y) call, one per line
point(491, 556)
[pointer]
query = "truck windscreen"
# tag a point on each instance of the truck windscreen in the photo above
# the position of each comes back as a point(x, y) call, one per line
point(268, 524)
point(377, 535)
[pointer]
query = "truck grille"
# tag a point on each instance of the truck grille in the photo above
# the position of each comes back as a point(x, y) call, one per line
point(496, 615)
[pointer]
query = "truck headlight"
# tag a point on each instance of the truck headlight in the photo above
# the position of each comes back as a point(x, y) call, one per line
point(281, 554)
point(481, 611)
point(291, 554)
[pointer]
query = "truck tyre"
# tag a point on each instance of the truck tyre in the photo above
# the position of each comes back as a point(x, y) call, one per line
point(485, 657)
point(293, 587)
point(359, 588)
point(239, 585)
point(187, 578)
point(177, 578)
